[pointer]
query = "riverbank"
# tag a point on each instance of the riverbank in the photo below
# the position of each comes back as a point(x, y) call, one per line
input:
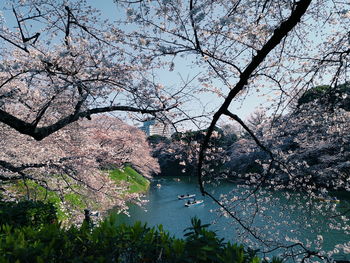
point(288, 215)
point(73, 202)
point(137, 183)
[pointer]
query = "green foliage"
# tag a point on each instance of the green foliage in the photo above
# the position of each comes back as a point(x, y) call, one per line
point(328, 96)
point(228, 139)
point(313, 94)
point(27, 213)
point(205, 246)
point(180, 156)
point(155, 139)
point(137, 183)
point(110, 242)
point(37, 192)
point(274, 260)
point(75, 200)
point(190, 136)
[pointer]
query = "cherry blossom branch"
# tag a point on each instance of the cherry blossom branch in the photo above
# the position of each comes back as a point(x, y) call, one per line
point(18, 170)
point(238, 220)
point(239, 120)
point(12, 78)
point(279, 33)
point(13, 43)
point(67, 31)
point(25, 39)
point(42, 111)
point(42, 132)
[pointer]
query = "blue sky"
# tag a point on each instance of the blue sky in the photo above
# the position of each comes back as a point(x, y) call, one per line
point(184, 69)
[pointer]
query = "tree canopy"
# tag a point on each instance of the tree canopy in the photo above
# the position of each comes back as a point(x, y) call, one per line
point(62, 62)
point(330, 97)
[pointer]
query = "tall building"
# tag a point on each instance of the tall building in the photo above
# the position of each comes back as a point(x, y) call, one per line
point(154, 127)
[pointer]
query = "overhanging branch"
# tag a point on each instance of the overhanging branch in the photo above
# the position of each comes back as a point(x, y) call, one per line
point(279, 33)
point(39, 133)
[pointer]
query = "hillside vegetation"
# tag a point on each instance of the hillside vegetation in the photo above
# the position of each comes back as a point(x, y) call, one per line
point(137, 183)
point(72, 203)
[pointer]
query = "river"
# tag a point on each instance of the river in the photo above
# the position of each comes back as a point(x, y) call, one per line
point(163, 207)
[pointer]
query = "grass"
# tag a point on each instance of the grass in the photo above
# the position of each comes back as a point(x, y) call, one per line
point(37, 192)
point(137, 183)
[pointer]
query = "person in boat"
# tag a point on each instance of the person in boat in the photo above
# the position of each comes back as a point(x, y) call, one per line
point(188, 202)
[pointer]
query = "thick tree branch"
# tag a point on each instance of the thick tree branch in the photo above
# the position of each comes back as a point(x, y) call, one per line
point(39, 133)
point(13, 43)
point(42, 112)
point(25, 39)
point(67, 31)
point(276, 38)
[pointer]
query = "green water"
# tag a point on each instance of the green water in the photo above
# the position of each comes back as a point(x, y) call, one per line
point(163, 207)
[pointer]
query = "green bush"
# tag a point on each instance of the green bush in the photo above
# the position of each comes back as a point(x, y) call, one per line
point(27, 213)
point(36, 192)
point(110, 242)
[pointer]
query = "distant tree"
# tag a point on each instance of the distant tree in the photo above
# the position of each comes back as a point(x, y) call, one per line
point(180, 155)
point(338, 96)
point(155, 139)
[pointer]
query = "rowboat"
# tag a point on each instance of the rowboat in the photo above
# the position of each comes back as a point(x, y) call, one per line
point(328, 199)
point(186, 196)
point(190, 203)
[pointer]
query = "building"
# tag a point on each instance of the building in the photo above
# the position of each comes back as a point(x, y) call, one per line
point(154, 127)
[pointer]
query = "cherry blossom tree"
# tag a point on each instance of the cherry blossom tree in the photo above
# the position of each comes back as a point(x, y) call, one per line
point(77, 160)
point(310, 147)
point(62, 62)
point(277, 49)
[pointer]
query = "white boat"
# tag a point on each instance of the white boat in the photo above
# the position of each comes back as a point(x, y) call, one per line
point(186, 196)
point(190, 203)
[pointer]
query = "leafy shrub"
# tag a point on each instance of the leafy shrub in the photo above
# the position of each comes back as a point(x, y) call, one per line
point(69, 201)
point(110, 242)
point(27, 213)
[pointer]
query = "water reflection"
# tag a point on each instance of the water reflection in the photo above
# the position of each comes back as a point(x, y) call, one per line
point(302, 222)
